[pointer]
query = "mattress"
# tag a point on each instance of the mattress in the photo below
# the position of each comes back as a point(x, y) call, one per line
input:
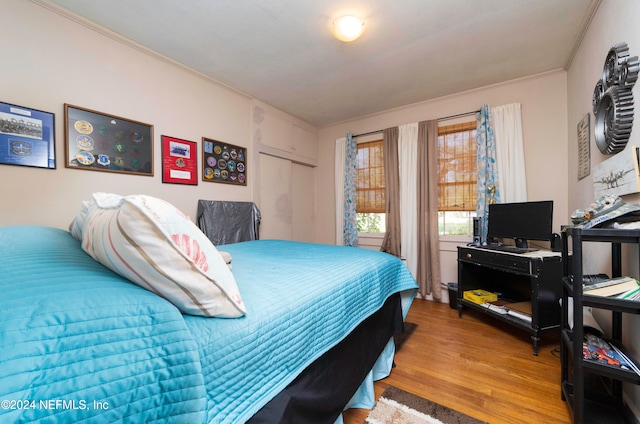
point(301, 299)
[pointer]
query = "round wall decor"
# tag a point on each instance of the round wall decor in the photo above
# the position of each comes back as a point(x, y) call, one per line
point(612, 100)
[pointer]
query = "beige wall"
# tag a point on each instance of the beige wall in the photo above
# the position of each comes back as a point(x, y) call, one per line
point(614, 22)
point(56, 60)
point(50, 59)
point(543, 98)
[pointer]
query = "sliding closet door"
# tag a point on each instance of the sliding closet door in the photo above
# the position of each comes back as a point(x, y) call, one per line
point(287, 192)
point(275, 198)
point(303, 204)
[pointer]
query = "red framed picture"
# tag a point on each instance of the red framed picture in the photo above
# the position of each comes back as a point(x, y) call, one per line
point(179, 161)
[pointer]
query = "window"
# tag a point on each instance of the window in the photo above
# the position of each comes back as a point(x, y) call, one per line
point(457, 178)
point(370, 199)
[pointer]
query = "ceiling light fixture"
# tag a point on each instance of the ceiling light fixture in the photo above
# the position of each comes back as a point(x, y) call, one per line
point(348, 28)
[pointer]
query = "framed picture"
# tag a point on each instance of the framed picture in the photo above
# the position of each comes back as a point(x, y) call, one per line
point(27, 137)
point(223, 162)
point(179, 161)
point(584, 148)
point(96, 141)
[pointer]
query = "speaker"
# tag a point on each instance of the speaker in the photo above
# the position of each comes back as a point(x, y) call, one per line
point(556, 243)
point(477, 230)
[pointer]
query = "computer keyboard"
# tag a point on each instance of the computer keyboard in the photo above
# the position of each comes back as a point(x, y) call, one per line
point(508, 249)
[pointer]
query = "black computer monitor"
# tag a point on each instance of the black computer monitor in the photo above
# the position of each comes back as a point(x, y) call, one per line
point(521, 221)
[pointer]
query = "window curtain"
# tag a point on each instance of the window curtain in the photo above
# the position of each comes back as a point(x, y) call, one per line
point(350, 230)
point(428, 268)
point(346, 225)
point(408, 163)
point(488, 189)
point(391, 243)
point(341, 145)
point(507, 128)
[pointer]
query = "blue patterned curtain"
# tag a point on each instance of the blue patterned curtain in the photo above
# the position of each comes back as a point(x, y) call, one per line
point(488, 191)
point(350, 230)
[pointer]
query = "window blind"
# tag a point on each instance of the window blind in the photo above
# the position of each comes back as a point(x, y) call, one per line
point(457, 170)
point(370, 178)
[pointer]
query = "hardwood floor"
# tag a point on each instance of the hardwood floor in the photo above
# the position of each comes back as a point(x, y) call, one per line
point(478, 366)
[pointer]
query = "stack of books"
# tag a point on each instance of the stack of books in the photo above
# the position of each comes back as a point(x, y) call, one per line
point(622, 288)
point(520, 310)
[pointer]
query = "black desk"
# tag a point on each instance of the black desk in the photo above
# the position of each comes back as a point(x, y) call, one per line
point(535, 277)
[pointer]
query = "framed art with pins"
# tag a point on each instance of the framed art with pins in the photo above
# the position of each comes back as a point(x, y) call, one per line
point(97, 141)
point(223, 162)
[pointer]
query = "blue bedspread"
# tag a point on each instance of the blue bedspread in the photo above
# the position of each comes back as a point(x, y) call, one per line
point(79, 344)
point(301, 300)
point(78, 341)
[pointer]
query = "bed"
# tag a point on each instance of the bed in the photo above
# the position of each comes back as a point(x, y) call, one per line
point(80, 343)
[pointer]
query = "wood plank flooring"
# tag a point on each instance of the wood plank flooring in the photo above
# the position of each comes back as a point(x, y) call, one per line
point(478, 366)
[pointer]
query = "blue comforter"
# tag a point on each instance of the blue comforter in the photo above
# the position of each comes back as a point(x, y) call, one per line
point(301, 299)
point(78, 341)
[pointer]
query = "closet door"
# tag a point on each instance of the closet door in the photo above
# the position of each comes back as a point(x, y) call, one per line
point(303, 202)
point(275, 198)
point(287, 193)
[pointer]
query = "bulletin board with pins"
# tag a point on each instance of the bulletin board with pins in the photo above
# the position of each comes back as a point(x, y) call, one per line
point(223, 162)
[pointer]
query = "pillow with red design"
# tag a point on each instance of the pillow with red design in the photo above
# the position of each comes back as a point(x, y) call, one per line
point(153, 244)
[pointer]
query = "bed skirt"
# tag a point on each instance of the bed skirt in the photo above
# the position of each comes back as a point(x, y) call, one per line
point(333, 382)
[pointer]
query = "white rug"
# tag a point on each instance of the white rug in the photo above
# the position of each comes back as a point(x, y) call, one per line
point(396, 406)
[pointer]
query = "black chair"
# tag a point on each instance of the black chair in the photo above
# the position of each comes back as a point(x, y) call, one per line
point(225, 222)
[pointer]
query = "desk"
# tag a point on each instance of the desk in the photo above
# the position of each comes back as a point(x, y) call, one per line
point(534, 277)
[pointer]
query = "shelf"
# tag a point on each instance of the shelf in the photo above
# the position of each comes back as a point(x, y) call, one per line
point(610, 235)
point(525, 325)
point(611, 371)
point(588, 405)
point(599, 407)
point(620, 305)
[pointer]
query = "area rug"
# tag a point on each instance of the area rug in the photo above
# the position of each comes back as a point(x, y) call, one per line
point(400, 338)
point(396, 406)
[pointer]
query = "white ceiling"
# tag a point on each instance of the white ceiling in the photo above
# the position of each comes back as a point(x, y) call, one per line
point(282, 51)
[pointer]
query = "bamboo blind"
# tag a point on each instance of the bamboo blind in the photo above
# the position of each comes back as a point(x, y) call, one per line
point(457, 169)
point(370, 178)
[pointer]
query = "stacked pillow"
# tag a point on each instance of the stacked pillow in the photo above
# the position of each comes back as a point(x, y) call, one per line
point(153, 244)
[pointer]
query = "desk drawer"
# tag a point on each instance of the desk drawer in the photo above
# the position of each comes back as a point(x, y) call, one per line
point(500, 260)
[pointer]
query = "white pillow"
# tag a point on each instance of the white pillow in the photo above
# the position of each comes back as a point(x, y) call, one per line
point(153, 244)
